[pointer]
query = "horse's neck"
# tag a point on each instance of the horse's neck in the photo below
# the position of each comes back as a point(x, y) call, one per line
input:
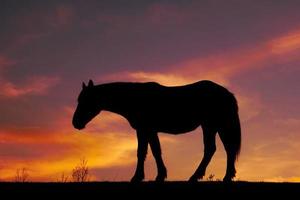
point(112, 99)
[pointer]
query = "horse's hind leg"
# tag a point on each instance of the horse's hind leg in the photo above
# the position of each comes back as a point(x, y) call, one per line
point(209, 138)
point(231, 155)
point(156, 151)
point(141, 155)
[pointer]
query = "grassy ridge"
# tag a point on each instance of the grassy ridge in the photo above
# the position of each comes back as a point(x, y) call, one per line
point(125, 190)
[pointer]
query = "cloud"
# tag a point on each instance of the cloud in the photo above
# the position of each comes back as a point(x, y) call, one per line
point(286, 43)
point(222, 67)
point(63, 15)
point(289, 122)
point(150, 16)
point(262, 159)
point(162, 14)
point(167, 78)
point(5, 61)
point(37, 25)
point(107, 142)
point(49, 154)
point(274, 158)
point(37, 85)
point(271, 149)
point(225, 66)
point(34, 85)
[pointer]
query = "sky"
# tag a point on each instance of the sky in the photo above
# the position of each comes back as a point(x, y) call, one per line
point(48, 48)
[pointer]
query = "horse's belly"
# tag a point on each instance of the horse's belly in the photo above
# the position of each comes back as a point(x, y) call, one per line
point(177, 126)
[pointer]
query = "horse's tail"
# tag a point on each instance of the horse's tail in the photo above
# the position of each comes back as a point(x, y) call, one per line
point(231, 132)
point(236, 135)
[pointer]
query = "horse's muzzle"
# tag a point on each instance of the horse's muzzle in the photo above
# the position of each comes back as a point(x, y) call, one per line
point(78, 125)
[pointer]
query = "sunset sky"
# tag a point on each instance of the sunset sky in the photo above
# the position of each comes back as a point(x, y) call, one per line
point(47, 48)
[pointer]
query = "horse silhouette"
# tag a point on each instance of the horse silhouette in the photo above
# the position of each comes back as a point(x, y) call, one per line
point(151, 108)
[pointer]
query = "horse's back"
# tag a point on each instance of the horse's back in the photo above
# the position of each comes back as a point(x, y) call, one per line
point(202, 94)
point(179, 109)
point(204, 91)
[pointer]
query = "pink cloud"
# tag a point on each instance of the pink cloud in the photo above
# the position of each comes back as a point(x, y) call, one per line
point(34, 86)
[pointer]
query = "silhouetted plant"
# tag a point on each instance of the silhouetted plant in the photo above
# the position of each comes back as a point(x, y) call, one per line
point(63, 178)
point(81, 172)
point(211, 177)
point(22, 175)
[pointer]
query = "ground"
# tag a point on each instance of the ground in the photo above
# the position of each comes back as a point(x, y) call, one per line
point(150, 190)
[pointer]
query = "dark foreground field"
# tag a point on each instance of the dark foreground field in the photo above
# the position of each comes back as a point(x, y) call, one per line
point(147, 190)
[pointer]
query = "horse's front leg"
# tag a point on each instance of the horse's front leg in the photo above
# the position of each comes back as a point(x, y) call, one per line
point(139, 174)
point(156, 151)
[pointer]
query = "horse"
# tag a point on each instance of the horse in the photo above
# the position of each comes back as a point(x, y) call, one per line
point(151, 108)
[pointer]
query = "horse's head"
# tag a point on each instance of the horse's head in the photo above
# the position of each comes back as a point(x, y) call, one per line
point(88, 106)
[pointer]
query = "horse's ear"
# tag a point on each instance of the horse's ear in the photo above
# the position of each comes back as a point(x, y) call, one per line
point(83, 85)
point(91, 83)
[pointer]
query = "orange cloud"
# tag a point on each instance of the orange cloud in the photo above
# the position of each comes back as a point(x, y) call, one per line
point(33, 86)
point(169, 78)
point(286, 44)
point(108, 141)
point(272, 160)
point(221, 67)
point(48, 154)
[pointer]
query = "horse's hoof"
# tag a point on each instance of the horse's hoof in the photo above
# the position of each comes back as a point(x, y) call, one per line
point(160, 179)
point(161, 176)
point(137, 179)
point(227, 179)
point(193, 179)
